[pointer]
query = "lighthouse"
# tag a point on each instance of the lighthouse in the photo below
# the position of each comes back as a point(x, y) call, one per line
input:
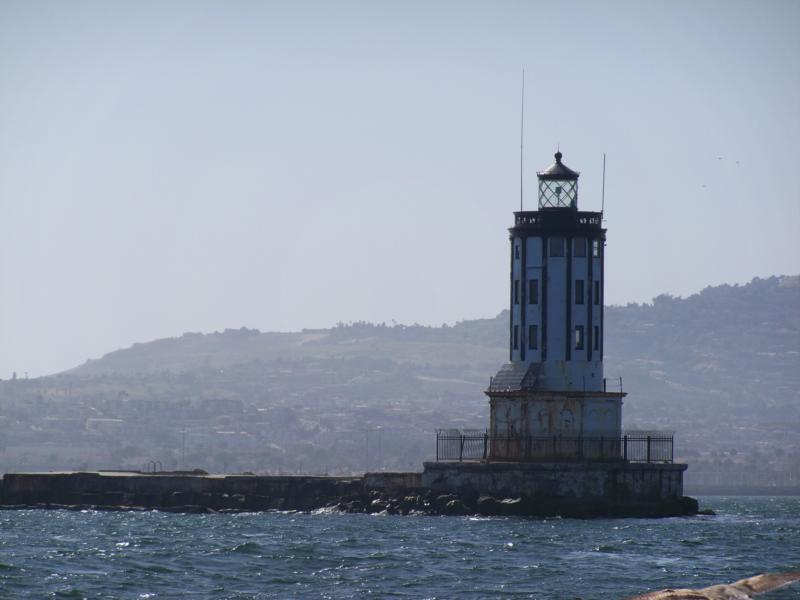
point(553, 384)
point(555, 442)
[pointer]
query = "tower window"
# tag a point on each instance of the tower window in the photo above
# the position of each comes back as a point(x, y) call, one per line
point(516, 337)
point(579, 247)
point(516, 291)
point(533, 337)
point(516, 251)
point(533, 291)
point(597, 293)
point(556, 246)
point(596, 337)
point(579, 291)
point(579, 337)
point(595, 248)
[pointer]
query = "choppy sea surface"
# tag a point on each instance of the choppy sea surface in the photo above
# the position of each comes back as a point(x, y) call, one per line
point(67, 554)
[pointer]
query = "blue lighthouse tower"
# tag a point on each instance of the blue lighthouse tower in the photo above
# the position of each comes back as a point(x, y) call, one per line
point(555, 441)
point(553, 383)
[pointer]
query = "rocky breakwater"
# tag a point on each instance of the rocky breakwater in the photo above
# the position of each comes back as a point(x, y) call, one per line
point(388, 493)
point(429, 502)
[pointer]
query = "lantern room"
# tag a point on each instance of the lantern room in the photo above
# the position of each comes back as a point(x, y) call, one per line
point(558, 186)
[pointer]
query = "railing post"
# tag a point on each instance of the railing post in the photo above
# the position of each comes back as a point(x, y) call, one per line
point(485, 444)
point(554, 446)
point(461, 448)
point(437, 446)
point(625, 448)
point(602, 447)
point(648, 448)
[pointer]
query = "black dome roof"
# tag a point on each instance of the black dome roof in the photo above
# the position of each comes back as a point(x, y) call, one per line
point(558, 170)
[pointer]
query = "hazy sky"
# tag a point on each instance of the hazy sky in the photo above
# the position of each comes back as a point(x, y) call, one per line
point(193, 166)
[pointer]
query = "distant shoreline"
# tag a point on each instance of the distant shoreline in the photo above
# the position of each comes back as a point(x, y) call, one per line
point(734, 490)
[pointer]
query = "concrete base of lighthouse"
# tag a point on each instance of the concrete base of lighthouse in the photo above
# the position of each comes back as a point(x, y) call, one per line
point(570, 489)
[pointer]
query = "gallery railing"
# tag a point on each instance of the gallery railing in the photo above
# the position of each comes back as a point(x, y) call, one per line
point(634, 446)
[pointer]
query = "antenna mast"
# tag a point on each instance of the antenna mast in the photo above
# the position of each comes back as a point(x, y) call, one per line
point(603, 205)
point(521, 137)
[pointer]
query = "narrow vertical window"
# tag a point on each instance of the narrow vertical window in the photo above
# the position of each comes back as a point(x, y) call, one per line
point(516, 251)
point(533, 291)
point(579, 247)
point(556, 246)
point(533, 337)
point(516, 291)
point(579, 291)
point(596, 337)
point(595, 248)
point(579, 337)
point(597, 293)
point(516, 337)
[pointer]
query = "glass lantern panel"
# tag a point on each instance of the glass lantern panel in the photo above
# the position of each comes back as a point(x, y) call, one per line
point(557, 193)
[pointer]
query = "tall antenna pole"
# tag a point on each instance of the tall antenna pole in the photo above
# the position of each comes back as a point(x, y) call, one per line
point(521, 137)
point(603, 205)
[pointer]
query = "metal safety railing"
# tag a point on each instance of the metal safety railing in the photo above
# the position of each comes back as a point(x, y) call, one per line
point(471, 445)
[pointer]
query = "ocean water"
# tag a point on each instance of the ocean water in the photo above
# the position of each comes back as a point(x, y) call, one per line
point(91, 554)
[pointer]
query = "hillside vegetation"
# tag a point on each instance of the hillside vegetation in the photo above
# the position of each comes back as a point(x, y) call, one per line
point(721, 368)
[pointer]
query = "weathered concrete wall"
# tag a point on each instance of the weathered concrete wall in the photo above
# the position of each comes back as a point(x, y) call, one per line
point(392, 482)
point(613, 483)
point(547, 413)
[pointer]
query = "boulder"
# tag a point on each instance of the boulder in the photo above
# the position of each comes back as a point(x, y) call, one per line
point(489, 506)
point(514, 507)
point(455, 507)
point(377, 506)
point(441, 501)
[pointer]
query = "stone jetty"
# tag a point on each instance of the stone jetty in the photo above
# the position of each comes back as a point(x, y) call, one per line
point(198, 492)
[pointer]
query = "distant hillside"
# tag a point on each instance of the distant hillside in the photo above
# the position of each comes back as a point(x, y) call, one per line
point(469, 341)
point(720, 367)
